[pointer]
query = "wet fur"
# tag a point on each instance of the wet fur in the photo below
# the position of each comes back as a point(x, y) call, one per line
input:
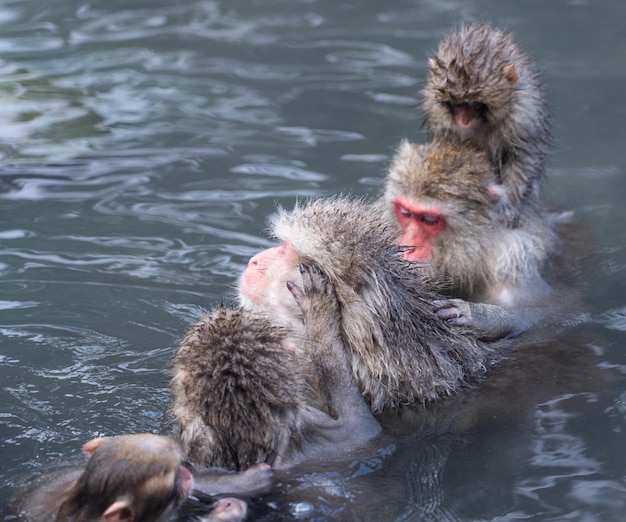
point(475, 254)
point(237, 390)
point(399, 350)
point(470, 67)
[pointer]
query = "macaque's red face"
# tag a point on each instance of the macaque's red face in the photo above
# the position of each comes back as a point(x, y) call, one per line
point(421, 225)
point(263, 284)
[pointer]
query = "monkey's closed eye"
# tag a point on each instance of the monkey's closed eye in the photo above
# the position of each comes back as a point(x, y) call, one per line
point(403, 211)
point(430, 219)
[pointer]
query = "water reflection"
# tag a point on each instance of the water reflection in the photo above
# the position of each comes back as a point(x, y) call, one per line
point(143, 146)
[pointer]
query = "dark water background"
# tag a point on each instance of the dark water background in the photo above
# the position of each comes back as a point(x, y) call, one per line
point(143, 145)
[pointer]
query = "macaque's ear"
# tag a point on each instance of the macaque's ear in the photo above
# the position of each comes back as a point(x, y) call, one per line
point(93, 445)
point(510, 74)
point(119, 511)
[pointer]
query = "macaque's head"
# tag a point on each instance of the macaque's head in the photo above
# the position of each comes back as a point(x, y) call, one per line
point(474, 81)
point(345, 238)
point(440, 195)
point(130, 478)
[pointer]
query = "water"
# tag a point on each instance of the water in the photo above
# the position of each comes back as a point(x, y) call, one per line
point(144, 144)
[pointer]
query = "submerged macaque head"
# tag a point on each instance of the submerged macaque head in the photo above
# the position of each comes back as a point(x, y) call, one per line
point(130, 478)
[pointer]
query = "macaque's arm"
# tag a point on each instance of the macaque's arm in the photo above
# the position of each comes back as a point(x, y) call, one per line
point(256, 479)
point(322, 324)
point(489, 322)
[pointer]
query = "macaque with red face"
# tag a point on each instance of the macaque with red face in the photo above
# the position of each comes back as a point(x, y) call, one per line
point(239, 387)
point(399, 351)
point(130, 478)
point(445, 199)
point(482, 90)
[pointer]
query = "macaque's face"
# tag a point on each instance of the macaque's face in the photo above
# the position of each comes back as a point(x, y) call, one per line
point(421, 226)
point(227, 510)
point(467, 116)
point(263, 284)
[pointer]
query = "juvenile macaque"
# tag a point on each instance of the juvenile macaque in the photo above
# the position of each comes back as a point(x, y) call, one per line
point(399, 351)
point(239, 386)
point(445, 198)
point(482, 90)
point(130, 478)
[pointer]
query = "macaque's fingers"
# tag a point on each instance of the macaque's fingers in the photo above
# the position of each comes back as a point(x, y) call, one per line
point(259, 476)
point(315, 281)
point(308, 272)
point(296, 292)
point(454, 311)
point(440, 305)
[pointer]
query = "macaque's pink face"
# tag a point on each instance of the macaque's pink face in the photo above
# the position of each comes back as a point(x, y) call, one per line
point(421, 226)
point(227, 510)
point(263, 284)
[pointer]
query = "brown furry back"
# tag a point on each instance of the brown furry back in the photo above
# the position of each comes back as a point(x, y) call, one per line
point(236, 390)
point(400, 351)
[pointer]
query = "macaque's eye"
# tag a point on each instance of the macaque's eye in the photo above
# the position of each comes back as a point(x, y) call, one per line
point(403, 211)
point(431, 219)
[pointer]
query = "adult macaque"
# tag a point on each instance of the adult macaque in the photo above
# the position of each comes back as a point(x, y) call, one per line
point(399, 351)
point(445, 198)
point(239, 387)
point(130, 478)
point(483, 90)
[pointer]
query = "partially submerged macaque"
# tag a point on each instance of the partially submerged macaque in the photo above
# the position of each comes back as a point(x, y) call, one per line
point(130, 478)
point(445, 199)
point(399, 351)
point(239, 386)
point(483, 90)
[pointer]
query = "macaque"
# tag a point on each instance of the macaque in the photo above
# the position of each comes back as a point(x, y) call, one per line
point(239, 386)
point(482, 90)
point(129, 478)
point(445, 199)
point(399, 351)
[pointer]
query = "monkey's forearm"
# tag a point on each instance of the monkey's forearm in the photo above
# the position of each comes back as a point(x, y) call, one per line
point(521, 176)
point(256, 479)
point(322, 316)
point(489, 322)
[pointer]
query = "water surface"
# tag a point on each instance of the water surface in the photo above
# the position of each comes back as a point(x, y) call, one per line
point(144, 144)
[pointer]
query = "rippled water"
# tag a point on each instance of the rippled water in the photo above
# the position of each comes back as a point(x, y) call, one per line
point(142, 147)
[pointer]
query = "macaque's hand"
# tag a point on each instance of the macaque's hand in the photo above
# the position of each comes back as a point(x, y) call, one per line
point(488, 322)
point(317, 301)
point(256, 478)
